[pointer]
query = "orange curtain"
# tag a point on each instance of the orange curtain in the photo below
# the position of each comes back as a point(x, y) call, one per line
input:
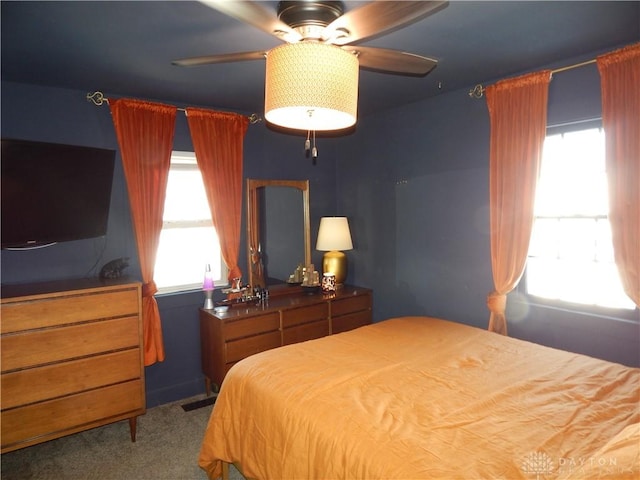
point(518, 118)
point(218, 143)
point(145, 135)
point(620, 84)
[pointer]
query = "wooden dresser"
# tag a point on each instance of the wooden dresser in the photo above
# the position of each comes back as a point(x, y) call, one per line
point(246, 329)
point(71, 359)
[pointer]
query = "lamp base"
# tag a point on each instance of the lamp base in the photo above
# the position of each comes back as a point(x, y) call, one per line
point(208, 300)
point(335, 262)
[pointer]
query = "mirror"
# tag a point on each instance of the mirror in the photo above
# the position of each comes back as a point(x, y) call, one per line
point(278, 231)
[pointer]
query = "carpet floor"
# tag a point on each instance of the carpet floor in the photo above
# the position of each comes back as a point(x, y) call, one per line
point(167, 447)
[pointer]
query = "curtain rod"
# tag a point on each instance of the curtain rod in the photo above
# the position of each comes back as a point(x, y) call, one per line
point(478, 90)
point(98, 98)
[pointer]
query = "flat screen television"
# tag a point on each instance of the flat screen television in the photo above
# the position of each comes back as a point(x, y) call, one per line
point(53, 193)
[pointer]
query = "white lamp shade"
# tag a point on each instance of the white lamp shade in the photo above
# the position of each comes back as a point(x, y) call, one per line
point(334, 234)
point(311, 86)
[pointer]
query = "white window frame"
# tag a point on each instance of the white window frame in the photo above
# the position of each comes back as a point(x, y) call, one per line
point(180, 161)
point(558, 299)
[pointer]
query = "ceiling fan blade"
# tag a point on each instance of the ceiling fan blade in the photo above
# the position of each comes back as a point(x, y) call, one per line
point(377, 18)
point(223, 58)
point(255, 14)
point(392, 61)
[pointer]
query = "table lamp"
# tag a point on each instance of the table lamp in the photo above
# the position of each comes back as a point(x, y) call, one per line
point(334, 237)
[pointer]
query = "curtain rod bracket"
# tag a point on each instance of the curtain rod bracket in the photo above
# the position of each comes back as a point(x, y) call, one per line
point(97, 98)
point(477, 91)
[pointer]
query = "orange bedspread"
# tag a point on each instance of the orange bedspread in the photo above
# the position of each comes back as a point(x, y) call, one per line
point(418, 397)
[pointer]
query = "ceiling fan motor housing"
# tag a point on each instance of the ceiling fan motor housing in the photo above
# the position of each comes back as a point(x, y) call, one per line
point(309, 18)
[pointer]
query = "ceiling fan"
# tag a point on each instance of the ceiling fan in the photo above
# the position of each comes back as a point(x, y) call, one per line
point(327, 22)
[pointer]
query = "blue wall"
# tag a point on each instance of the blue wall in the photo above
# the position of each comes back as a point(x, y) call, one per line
point(65, 116)
point(413, 182)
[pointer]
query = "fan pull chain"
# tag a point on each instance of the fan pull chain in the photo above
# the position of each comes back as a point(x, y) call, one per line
point(307, 147)
point(314, 150)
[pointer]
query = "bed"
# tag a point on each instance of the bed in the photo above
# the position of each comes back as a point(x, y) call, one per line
point(419, 397)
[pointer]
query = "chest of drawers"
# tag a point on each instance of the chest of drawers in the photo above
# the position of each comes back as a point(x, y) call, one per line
point(246, 329)
point(71, 359)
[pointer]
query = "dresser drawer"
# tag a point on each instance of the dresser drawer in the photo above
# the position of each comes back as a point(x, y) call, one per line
point(39, 347)
point(52, 311)
point(25, 424)
point(239, 349)
point(348, 322)
point(350, 304)
point(290, 316)
point(252, 326)
point(50, 381)
point(304, 332)
point(296, 316)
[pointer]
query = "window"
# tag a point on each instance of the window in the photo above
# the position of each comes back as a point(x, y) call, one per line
point(571, 254)
point(188, 240)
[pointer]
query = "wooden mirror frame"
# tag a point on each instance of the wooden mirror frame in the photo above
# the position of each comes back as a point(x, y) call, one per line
point(254, 262)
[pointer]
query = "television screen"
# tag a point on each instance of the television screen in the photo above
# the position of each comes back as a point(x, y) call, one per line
point(53, 193)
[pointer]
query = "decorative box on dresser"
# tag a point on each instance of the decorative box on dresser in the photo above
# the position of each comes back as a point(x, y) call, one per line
point(71, 358)
point(250, 328)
